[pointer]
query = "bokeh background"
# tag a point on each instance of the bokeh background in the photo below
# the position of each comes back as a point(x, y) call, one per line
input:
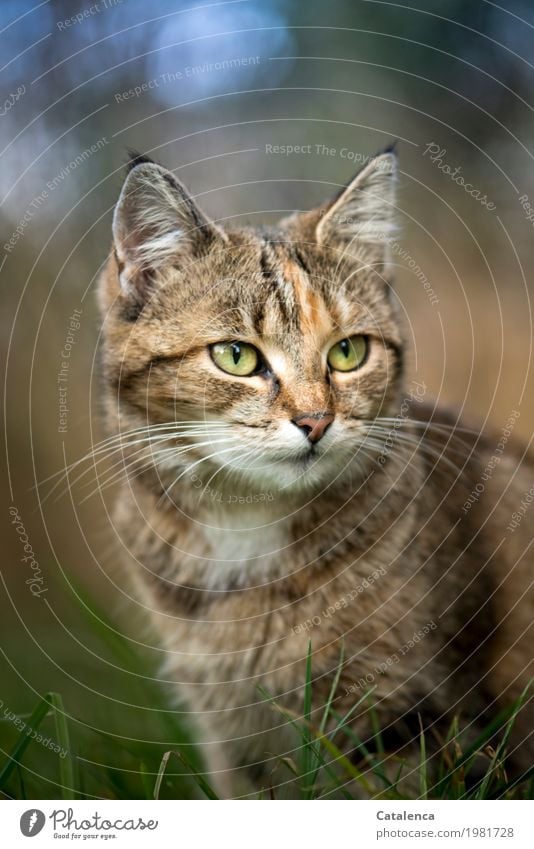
point(210, 90)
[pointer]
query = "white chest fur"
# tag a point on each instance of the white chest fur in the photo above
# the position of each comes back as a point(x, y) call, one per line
point(251, 553)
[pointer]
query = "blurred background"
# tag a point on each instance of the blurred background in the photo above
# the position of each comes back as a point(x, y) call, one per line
point(217, 92)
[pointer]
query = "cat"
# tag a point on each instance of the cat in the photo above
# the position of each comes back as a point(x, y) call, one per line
point(289, 490)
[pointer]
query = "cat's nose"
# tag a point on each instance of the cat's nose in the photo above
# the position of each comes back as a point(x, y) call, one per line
point(314, 425)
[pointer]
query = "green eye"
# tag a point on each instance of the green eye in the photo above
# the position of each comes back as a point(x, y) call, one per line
point(348, 354)
point(237, 358)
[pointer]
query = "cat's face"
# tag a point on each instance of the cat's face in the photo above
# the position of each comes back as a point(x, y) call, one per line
point(251, 357)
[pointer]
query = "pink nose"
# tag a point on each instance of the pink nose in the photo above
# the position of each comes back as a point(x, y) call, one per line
point(314, 425)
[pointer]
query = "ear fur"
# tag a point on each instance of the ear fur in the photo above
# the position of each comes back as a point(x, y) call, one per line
point(363, 213)
point(156, 224)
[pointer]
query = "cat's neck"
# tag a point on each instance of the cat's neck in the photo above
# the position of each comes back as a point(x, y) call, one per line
point(225, 538)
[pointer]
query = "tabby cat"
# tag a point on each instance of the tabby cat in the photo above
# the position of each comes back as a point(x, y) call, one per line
point(289, 489)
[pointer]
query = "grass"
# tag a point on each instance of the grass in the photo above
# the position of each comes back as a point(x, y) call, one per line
point(106, 733)
point(461, 768)
point(124, 752)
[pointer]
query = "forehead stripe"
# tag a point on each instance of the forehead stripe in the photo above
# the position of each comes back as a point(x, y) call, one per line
point(314, 313)
point(280, 288)
point(270, 287)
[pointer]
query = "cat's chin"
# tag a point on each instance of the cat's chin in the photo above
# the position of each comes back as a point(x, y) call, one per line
point(310, 472)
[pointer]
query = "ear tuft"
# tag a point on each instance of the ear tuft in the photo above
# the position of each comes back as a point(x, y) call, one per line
point(363, 213)
point(135, 158)
point(390, 148)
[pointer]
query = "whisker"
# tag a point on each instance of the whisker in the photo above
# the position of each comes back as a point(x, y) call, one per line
point(147, 441)
point(220, 469)
point(125, 435)
point(422, 439)
point(170, 451)
point(418, 444)
point(105, 452)
point(188, 468)
point(427, 425)
point(126, 471)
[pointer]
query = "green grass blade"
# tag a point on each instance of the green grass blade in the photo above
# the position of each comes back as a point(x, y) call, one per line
point(328, 708)
point(206, 788)
point(24, 739)
point(161, 773)
point(333, 689)
point(446, 762)
point(8, 720)
point(22, 794)
point(489, 731)
point(309, 754)
point(423, 782)
point(464, 763)
point(66, 764)
point(323, 740)
point(397, 778)
point(499, 753)
point(199, 779)
point(342, 724)
point(374, 764)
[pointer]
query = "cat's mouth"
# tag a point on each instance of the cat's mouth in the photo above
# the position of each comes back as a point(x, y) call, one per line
point(312, 453)
point(305, 459)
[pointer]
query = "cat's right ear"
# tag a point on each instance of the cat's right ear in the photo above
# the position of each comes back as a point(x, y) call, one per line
point(156, 225)
point(363, 214)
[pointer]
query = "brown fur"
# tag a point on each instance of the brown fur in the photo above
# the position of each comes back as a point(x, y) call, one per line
point(238, 588)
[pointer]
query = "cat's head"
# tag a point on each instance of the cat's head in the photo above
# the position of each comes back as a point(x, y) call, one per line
point(254, 355)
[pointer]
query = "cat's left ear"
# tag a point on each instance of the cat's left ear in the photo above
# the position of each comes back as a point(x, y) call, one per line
point(363, 213)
